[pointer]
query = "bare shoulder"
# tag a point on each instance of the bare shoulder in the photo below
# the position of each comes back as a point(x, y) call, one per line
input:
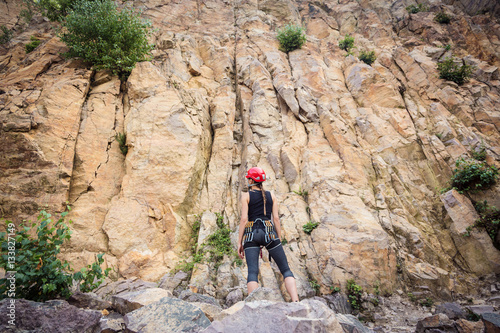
point(245, 196)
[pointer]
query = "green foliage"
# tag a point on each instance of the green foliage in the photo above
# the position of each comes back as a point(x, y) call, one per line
point(471, 316)
point(489, 220)
point(56, 10)
point(375, 301)
point(40, 275)
point(367, 57)
point(334, 289)
point(309, 227)
point(6, 35)
point(99, 33)
point(314, 284)
point(284, 241)
point(450, 71)
point(302, 193)
point(92, 276)
point(28, 11)
point(412, 297)
point(376, 288)
point(471, 175)
point(121, 138)
point(442, 18)
point(347, 43)
point(291, 37)
point(219, 243)
point(33, 44)
point(354, 293)
point(428, 302)
point(412, 9)
point(479, 153)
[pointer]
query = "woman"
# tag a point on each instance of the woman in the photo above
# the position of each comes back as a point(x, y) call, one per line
point(257, 229)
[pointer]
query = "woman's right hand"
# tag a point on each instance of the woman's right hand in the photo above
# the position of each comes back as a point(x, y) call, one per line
point(241, 251)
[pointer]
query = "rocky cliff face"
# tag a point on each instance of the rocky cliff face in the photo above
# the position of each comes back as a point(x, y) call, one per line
point(363, 150)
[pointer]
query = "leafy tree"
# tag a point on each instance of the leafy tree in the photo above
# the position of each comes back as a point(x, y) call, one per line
point(347, 43)
point(291, 37)
point(450, 71)
point(113, 39)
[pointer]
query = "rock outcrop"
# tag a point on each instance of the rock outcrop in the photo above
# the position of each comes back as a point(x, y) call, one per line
point(362, 150)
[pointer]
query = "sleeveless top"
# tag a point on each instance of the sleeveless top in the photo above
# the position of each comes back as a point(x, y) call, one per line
point(256, 206)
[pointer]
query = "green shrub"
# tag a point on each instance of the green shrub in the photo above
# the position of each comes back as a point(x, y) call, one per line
point(39, 274)
point(412, 297)
point(309, 227)
point(284, 241)
point(98, 32)
point(489, 220)
point(471, 175)
point(412, 9)
point(427, 302)
point(442, 18)
point(334, 289)
point(28, 11)
point(354, 293)
point(479, 153)
point(121, 138)
point(450, 71)
point(347, 43)
point(6, 35)
point(367, 57)
point(32, 45)
point(314, 284)
point(56, 10)
point(291, 37)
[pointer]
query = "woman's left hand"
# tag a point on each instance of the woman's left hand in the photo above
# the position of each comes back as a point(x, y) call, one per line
point(241, 251)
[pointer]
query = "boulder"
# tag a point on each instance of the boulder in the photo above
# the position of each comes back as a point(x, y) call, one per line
point(277, 317)
point(465, 326)
point(210, 310)
point(437, 323)
point(452, 310)
point(351, 324)
point(112, 323)
point(128, 302)
point(263, 293)
point(55, 316)
point(189, 296)
point(106, 291)
point(170, 282)
point(88, 300)
point(338, 303)
point(167, 315)
point(479, 310)
point(234, 297)
point(491, 322)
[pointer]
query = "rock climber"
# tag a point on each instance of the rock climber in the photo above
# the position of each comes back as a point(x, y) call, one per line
point(257, 230)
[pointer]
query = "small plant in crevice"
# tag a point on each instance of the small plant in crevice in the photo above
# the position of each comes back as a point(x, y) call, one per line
point(489, 220)
point(413, 9)
point(471, 175)
point(32, 45)
point(291, 37)
point(447, 47)
point(427, 302)
point(471, 316)
point(450, 71)
point(28, 11)
point(442, 18)
point(309, 227)
point(354, 293)
point(314, 284)
point(479, 153)
point(412, 297)
point(347, 43)
point(367, 57)
point(121, 138)
point(284, 241)
point(376, 288)
point(374, 301)
point(6, 35)
point(334, 289)
point(303, 193)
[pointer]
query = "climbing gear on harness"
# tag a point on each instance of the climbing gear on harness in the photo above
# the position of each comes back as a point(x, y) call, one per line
point(268, 229)
point(257, 174)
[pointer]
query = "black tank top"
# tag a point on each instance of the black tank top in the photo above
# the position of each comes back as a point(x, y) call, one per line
point(256, 206)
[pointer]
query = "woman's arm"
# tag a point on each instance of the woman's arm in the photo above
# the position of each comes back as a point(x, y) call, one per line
point(276, 217)
point(243, 221)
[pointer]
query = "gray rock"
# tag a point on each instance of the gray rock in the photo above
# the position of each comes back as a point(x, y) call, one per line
point(491, 322)
point(436, 323)
point(112, 323)
point(279, 317)
point(234, 297)
point(88, 300)
point(338, 303)
point(167, 315)
point(351, 324)
point(451, 310)
point(170, 282)
point(210, 310)
point(189, 296)
point(263, 293)
point(107, 290)
point(480, 309)
point(55, 316)
point(128, 302)
point(495, 301)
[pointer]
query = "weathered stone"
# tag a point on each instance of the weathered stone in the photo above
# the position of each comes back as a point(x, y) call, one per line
point(465, 326)
point(439, 322)
point(351, 324)
point(263, 293)
point(266, 316)
point(234, 297)
point(210, 310)
point(451, 310)
point(112, 323)
point(107, 290)
point(52, 316)
point(189, 296)
point(338, 303)
point(491, 322)
point(170, 282)
point(88, 300)
point(130, 301)
point(166, 315)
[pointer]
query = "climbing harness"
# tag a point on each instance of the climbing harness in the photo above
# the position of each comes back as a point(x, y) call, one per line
point(268, 229)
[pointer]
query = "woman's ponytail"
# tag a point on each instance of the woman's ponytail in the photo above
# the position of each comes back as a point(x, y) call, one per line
point(263, 196)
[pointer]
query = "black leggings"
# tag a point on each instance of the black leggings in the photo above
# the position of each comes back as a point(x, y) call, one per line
point(252, 250)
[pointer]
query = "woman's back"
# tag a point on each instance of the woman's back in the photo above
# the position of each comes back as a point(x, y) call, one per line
point(256, 205)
